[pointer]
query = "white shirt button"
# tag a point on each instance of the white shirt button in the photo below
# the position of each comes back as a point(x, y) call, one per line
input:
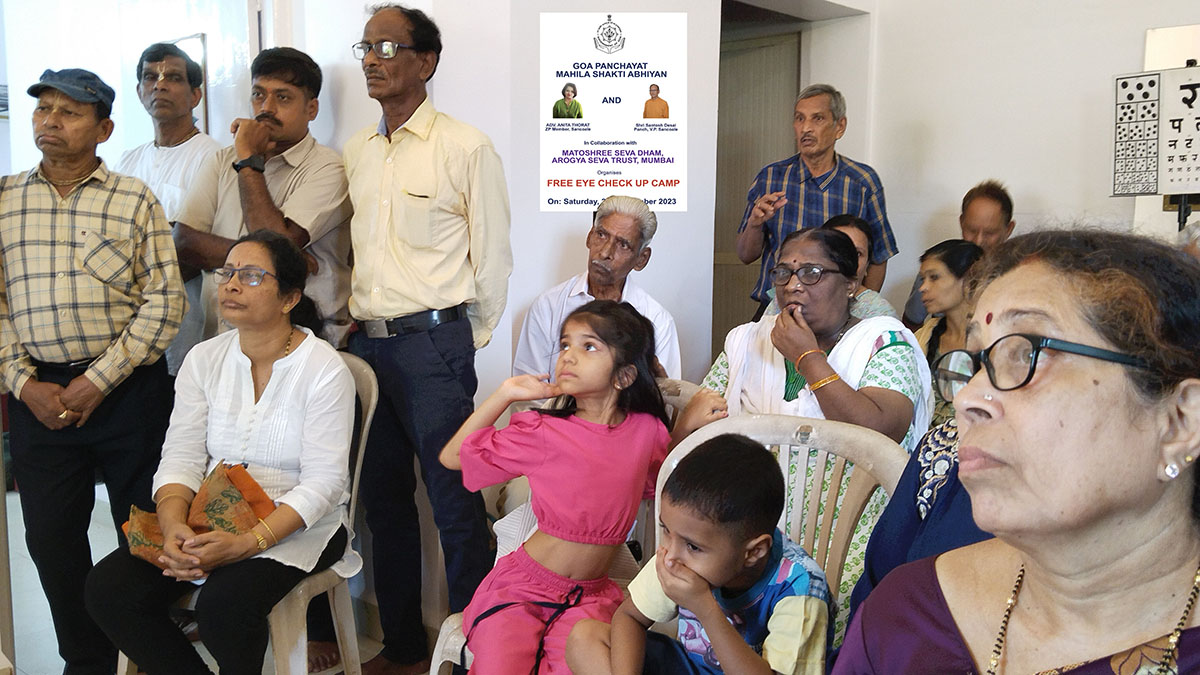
point(384, 202)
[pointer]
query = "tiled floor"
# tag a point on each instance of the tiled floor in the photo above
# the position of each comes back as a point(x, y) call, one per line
point(37, 652)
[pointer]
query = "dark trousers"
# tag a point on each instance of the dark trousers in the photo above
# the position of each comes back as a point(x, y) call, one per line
point(129, 598)
point(426, 385)
point(56, 476)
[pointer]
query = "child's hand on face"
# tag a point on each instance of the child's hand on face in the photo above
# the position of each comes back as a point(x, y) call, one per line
point(530, 387)
point(683, 586)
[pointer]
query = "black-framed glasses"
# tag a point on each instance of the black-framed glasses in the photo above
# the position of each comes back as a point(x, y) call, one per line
point(810, 275)
point(1011, 361)
point(384, 49)
point(251, 276)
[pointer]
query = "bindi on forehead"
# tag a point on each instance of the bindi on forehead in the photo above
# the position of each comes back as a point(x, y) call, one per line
point(988, 319)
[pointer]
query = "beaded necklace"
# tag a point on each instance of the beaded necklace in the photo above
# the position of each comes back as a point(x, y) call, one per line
point(1164, 666)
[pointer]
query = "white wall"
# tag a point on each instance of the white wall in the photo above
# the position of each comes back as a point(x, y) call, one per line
point(5, 125)
point(107, 37)
point(958, 92)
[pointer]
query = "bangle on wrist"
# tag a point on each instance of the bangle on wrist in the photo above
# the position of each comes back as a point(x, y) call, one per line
point(261, 541)
point(274, 538)
point(821, 383)
point(801, 357)
point(160, 500)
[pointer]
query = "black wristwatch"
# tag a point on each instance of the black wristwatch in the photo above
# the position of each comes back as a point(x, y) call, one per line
point(256, 162)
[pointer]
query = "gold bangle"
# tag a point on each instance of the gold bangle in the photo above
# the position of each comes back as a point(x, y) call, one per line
point(264, 523)
point(801, 357)
point(821, 383)
point(163, 499)
point(262, 541)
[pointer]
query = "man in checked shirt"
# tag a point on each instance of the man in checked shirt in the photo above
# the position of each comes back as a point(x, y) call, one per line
point(90, 296)
point(809, 188)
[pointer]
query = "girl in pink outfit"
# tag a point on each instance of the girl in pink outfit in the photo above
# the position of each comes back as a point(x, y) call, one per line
point(589, 462)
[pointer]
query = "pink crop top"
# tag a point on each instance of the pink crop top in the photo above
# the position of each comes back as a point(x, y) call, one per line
point(586, 479)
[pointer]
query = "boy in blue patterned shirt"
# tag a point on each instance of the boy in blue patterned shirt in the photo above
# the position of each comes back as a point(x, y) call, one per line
point(748, 599)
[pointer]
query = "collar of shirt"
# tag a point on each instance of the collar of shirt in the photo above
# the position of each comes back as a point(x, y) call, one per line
point(580, 287)
point(807, 175)
point(295, 155)
point(101, 174)
point(419, 123)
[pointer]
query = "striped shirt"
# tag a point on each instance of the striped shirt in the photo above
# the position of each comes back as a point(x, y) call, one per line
point(850, 187)
point(92, 275)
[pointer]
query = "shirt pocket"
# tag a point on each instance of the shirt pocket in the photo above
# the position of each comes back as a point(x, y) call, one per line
point(107, 260)
point(416, 213)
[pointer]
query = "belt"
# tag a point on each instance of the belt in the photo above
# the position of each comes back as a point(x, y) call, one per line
point(72, 368)
point(412, 323)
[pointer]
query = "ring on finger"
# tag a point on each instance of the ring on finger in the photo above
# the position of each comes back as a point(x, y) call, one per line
point(64, 414)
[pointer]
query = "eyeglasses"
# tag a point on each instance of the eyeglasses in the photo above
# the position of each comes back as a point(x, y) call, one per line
point(1011, 361)
point(810, 275)
point(384, 49)
point(251, 276)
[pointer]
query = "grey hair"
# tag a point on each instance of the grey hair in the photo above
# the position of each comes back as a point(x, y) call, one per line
point(837, 102)
point(633, 207)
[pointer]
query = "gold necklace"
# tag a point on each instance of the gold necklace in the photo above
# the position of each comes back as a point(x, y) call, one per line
point(1164, 666)
point(181, 141)
point(69, 181)
point(287, 347)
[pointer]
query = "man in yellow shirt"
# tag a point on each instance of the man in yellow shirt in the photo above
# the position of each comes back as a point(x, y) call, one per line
point(656, 108)
point(430, 280)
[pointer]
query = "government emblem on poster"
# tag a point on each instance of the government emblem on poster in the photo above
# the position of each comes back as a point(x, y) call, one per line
point(608, 37)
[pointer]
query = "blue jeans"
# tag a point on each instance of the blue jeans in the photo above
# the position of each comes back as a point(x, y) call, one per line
point(426, 388)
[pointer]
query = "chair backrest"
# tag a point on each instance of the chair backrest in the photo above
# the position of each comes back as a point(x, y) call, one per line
point(814, 452)
point(676, 394)
point(367, 388)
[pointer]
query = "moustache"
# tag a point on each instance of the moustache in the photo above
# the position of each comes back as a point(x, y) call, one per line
point(266, 117)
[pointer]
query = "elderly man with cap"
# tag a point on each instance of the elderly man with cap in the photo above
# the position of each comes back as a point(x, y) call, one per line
point(90, 296)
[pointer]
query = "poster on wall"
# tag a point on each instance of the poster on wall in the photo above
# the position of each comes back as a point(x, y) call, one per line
point(613, 109)
point(1156, 140)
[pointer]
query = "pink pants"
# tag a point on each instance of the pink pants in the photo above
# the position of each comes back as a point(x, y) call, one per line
point(522, 612)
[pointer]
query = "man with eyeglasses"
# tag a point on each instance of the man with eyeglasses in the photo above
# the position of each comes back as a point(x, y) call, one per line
point(168, 84)
point(90, 296)
point(431, 266)
point(275, 177)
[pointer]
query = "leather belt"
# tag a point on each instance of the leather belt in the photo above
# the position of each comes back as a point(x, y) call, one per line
point(73, 368)
point(412, 323)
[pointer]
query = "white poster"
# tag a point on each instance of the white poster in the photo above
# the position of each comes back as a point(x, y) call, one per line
point(613, 109)
point(1156, 147)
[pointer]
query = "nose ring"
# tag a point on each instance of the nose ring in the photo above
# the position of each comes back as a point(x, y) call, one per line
point(987, 397)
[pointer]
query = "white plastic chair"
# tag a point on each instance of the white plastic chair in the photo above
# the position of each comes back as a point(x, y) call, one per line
point(288, 624)
point(814, 518)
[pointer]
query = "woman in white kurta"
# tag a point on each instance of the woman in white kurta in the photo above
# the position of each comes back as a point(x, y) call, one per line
point(816, 359)
point(276, 398)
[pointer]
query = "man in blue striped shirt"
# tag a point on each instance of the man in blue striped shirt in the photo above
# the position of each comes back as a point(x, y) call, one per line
point(811, 187)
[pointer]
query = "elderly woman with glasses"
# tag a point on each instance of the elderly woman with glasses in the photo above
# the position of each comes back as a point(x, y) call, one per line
point(1078, 426)
point(815, 359)
point(276, 398)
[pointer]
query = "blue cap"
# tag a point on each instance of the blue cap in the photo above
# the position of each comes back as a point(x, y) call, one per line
point(82, 85)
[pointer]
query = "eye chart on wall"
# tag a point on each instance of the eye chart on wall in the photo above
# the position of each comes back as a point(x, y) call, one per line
point(1156, 138)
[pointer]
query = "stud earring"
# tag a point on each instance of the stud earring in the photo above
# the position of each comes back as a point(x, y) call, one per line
point(1172, 470)
point(1189, 459)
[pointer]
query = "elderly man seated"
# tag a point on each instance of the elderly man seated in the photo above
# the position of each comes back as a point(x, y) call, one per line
point(618, 243)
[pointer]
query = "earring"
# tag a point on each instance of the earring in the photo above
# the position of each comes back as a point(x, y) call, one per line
point(1189, 459)
point(1172, 470)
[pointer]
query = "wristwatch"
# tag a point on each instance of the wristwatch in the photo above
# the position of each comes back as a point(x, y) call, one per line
point(256, 162)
